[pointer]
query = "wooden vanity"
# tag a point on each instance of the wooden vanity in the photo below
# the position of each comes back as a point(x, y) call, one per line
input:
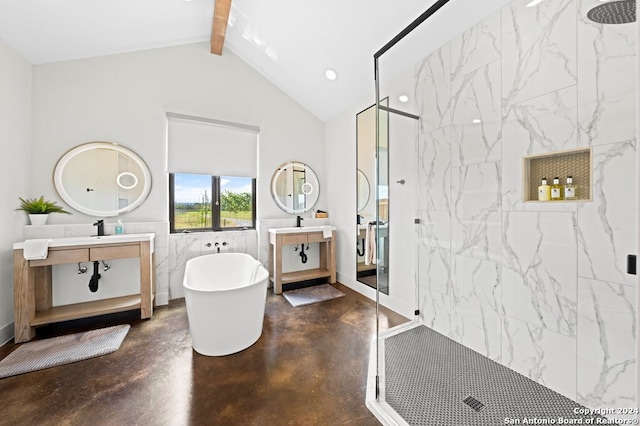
point(279, 237)
point(33, 280)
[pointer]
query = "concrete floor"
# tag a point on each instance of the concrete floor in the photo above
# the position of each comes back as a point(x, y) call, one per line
point(308, 368)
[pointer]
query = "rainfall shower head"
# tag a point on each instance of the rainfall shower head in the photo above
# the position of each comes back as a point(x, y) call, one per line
point(614, 12)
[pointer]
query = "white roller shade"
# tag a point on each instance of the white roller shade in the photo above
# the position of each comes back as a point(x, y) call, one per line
point(205, 146)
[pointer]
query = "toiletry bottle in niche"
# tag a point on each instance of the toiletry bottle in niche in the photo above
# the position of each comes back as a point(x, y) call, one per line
point(544, 191)
point(556, 190)
point(119, 227)
point(570, 190)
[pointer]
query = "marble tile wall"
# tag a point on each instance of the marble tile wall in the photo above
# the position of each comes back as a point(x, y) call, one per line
point(539, 287)
point(183, 247)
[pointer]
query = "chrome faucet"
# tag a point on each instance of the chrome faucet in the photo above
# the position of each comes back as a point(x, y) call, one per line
point(100, 225)
point(298, 221)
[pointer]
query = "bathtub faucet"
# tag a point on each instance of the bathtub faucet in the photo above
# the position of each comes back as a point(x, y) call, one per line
point(224, 244)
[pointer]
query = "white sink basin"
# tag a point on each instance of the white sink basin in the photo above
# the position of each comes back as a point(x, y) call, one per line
point(95, 240)
point(296, 230)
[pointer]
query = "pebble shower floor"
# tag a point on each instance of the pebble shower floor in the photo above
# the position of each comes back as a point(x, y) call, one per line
point(433, 380)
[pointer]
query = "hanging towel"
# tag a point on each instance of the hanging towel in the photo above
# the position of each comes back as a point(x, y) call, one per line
point(327, 232)
point(36, 249)
point(370, 244)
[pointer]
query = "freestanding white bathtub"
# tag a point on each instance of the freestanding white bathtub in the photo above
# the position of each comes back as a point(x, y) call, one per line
point(225, 295)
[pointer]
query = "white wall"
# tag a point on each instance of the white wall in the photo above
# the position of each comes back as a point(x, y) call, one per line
point(402, 213)
point(48, 109)
point(341, 183)
point(123, 98)
point(15, 123)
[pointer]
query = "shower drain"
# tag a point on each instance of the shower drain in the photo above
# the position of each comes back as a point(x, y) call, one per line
point(473, 403)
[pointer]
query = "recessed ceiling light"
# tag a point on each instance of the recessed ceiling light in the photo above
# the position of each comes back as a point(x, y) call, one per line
point(403, 98)
point(331, 74)
point(476, 121)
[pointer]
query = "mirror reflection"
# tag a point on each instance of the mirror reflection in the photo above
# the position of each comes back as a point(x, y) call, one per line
point(102, 179)
point(295, 187)
point(372, 252)
point(127, 180)
point(364, 191)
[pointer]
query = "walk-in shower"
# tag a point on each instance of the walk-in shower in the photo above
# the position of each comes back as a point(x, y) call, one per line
point(524, 309)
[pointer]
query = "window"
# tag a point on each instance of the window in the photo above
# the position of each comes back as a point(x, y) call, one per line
point(211, 203)
point(212, 168)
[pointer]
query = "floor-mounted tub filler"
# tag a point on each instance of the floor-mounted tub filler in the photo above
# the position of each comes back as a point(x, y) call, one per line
point(225, 295)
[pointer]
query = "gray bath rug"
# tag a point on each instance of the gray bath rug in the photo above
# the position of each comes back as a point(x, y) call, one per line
point(41, 354)
point(313, 294)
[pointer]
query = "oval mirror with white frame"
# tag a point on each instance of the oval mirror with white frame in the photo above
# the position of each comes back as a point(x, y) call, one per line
point(102, 179)
point(295, 187)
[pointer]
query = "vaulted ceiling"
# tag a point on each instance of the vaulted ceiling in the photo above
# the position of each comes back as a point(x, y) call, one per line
point(291, 42)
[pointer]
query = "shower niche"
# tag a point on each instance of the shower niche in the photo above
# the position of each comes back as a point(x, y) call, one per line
point(576, 163)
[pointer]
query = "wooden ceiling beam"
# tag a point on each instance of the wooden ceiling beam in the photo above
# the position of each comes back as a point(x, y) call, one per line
point(219, 25)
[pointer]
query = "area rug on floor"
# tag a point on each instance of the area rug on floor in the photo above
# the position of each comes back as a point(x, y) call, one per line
point(313, 294)
point(46, 353)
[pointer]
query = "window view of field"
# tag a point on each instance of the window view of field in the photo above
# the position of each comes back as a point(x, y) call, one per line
point(193, 205)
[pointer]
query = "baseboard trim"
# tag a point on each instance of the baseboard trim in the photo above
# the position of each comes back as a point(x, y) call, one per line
point(6, 333)
point(162, 299)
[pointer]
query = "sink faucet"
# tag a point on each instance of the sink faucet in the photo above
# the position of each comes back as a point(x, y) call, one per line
point(298, 220)
point(100, 225)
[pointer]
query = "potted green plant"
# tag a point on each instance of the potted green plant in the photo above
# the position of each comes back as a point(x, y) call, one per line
point(39, 209)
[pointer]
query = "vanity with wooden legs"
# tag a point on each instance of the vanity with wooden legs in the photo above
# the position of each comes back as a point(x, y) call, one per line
point(279, 237)
point(33, 280)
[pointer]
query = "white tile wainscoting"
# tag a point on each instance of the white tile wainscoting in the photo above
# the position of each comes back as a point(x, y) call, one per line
point(254, 242)
point(185, 246)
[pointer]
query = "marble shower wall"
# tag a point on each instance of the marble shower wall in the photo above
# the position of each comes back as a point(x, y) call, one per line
point(539, 287)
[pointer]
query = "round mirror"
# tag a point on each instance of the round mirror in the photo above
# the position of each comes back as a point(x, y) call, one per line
point(295, 187)
point(102, 179)
point(364, 190)
point(127, 180)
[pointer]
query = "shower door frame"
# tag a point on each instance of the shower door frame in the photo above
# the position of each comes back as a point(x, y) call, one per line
point(379, 107)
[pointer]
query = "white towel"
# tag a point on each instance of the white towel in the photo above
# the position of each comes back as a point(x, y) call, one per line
point(370, 244)
point(36, 249)
point(327, 232)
